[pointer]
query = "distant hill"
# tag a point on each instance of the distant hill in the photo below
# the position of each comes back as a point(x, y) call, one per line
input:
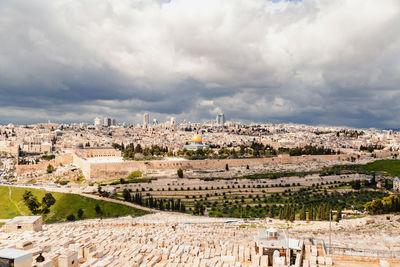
point(12, 204)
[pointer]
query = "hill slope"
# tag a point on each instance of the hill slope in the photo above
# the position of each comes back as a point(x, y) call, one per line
point(12, 204)
point(388, 166)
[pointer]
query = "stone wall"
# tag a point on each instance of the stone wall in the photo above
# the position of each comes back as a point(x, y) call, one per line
point(98, 152)
point(13, 150)
point(61, 160)
point(83, 164)
point(100, 171)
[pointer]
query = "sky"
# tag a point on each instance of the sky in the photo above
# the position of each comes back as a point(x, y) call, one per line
point(331, 62)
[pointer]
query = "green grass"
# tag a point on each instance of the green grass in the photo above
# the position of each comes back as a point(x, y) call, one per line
point(65, 205)
point(388, 166)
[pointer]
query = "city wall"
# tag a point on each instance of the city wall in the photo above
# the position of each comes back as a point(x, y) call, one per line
point(113, 170)
point(12, 150)
point(98, 152)
point(83, 164)
point(101, 171)
point(61, 160)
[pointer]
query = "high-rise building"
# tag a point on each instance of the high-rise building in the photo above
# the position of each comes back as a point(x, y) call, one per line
point(107, 121)
point(113, 122)
point(220, 119)
point(172, 120)
point(146, 119)
point(97, 121)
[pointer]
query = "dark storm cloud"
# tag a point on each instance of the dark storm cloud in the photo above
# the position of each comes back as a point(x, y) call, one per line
point(316, 62)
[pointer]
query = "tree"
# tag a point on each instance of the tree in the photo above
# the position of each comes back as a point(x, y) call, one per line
point(50, 168)
point(373, 180)
point(338, 214)
point(311, 214)
point(116, 146)
point(47, 201)
point(356, 185)
point(35, 206)
point(98, 210)
point(374, 207)
point(27, 195)
point(71, 218)
point(271, 212)
point(80, 213)
point(227, 167)
point(180, 173)
point(127, 195)
point(303, 214)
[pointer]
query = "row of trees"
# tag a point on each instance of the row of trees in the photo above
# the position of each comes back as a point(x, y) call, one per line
point(255, 149)
point(307, 150)
point(131, 150)
point(371, 148)
point(161, 204)
point(313, 213)
point(349, 133)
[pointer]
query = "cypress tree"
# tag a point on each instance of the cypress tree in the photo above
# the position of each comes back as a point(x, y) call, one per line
point(339, 214)
point(311, 214)
point(292, 215)
point(271, 212)
point(303, 214)
point(280, 213)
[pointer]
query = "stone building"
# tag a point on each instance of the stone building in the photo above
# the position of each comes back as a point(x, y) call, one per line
point(279, 248)
point(15, 258)
point(23, 223)
point(196, 143)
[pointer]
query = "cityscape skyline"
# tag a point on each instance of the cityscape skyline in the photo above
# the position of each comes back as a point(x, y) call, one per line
point(200, 133)
point(312, 62)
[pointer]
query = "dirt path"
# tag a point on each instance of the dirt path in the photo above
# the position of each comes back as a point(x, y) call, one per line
point(119, 202)
point(15, 204)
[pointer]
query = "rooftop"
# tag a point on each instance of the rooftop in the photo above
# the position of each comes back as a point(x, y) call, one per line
point(15, 254)
point(24, 219)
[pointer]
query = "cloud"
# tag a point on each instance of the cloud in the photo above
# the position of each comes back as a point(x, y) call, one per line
point(312, 61)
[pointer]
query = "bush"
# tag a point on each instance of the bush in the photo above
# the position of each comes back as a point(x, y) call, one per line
point(71, 218)
point(48, 157)
point(80, 213)
point(135, 174)
point(50, 168)
point(180, 173)
point(61, 182)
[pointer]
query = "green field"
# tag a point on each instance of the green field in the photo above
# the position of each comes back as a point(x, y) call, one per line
point(388, 166)
point(65, 205)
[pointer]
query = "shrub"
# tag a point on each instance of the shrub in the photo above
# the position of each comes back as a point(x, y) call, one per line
point(71, 218)
point(135, 174)
point(180, 173)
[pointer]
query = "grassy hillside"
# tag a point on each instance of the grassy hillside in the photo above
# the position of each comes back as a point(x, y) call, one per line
point(388, 166)
point(65, 205)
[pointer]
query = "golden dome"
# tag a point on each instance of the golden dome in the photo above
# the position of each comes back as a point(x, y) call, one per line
point(196, 138)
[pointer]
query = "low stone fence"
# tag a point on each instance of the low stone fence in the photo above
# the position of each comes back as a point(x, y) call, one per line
point(368, 253)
